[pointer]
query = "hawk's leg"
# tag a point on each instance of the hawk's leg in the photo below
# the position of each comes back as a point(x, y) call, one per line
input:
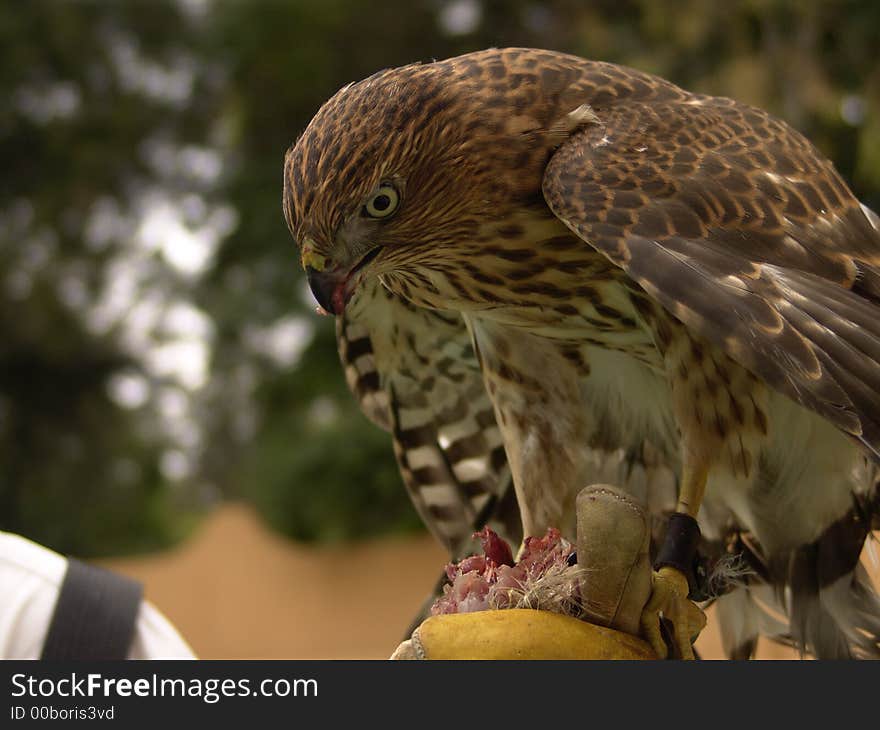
point(536, 394)
point(720, 411)
point(669, 595)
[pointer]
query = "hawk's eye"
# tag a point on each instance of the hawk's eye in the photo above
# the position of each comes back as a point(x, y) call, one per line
point(383, 203)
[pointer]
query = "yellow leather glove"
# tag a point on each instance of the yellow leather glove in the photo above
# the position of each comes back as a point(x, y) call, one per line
point(518, 633)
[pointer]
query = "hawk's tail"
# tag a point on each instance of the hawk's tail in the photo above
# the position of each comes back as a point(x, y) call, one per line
point(833, 617)
point(818, 598)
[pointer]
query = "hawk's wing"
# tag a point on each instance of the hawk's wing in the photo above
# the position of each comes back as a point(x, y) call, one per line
point(415, 375)
point(740, 228)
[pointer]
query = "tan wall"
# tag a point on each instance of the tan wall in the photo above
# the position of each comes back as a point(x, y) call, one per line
point(236, 590)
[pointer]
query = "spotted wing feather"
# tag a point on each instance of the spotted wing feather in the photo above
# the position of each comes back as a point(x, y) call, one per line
point(740, 228)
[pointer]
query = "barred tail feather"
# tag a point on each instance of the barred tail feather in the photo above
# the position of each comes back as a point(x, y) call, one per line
point(840, 620)
point(746, 613)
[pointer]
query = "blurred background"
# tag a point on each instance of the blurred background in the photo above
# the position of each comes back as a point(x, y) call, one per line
point(164, 382)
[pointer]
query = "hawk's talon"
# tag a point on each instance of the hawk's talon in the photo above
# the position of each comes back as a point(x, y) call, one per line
point(669, 598)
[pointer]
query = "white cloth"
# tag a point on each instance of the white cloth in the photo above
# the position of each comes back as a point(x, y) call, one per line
point(30, 578)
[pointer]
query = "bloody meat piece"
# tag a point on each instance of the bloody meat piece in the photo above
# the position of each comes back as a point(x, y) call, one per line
point(493, 580)
point(494, 547)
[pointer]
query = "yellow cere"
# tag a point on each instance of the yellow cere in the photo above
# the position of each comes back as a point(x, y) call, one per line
point(315, 260)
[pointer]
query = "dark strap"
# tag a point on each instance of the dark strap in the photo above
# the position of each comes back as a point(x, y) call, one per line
point(679, 547)
point(94, 615)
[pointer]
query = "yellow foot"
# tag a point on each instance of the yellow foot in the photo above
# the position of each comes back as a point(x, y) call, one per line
point(669, 599)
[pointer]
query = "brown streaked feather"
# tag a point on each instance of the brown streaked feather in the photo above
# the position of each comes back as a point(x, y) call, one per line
point(746, 234)
point(391, 374)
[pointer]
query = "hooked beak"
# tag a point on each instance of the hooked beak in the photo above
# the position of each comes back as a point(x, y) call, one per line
point(334, 287)
point(329, 288)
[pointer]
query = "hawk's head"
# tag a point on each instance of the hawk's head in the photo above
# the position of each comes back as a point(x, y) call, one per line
point(405, 168)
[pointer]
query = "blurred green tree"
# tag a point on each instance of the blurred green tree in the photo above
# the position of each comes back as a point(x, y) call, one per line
point(91, 92)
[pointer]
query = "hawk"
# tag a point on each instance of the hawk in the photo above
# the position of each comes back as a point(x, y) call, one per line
point(546, 269)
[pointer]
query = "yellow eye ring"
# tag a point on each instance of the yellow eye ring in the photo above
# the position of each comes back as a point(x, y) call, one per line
point(383, 202)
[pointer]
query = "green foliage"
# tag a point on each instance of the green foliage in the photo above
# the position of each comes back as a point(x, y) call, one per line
point(107, 107)
point(318, 470)
point(77, 471)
